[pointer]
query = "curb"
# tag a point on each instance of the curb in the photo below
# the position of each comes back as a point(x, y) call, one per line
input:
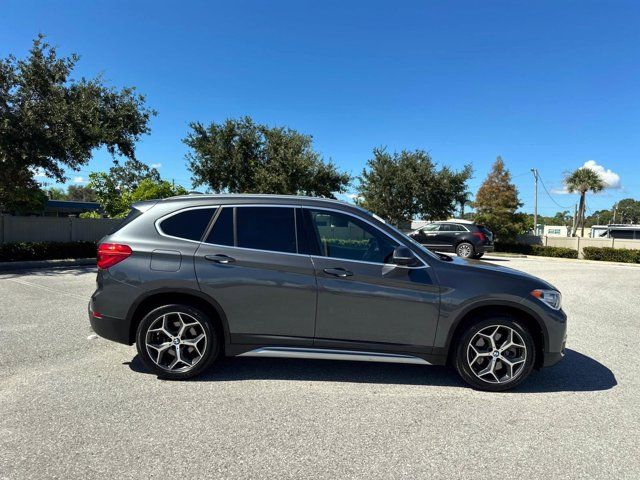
point(28, 265)
point(505, 254)
point(579, 260)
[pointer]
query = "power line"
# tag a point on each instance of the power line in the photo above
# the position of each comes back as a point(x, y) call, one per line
point(549, 195)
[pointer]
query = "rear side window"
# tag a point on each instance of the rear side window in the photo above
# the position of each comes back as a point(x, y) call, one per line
point(222, 231)
point(266, 228)
point(189, 224)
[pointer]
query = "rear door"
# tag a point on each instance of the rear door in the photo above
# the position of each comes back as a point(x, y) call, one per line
point(251, 264)
point(364, 301)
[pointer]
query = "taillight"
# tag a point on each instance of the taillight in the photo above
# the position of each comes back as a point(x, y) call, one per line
point(480, 235)
point(111, 253)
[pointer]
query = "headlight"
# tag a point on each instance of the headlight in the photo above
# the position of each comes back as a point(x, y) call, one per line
point(550, 297)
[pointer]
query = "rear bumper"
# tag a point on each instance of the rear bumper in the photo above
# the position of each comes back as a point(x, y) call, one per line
point(115, 329)
point(487, 248)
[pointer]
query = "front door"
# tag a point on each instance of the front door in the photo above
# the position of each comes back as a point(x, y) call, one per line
point(363, 299)
point(251, 265)
point(429, 236)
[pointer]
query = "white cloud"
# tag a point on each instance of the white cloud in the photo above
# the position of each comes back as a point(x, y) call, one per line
point(156, 165)
point(610, 179)
point(79, 180)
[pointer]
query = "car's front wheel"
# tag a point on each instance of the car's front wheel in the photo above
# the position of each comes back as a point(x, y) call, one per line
point(177, 341)
point(495, 354)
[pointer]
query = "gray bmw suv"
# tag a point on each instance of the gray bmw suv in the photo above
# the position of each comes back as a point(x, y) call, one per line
point(192, 278)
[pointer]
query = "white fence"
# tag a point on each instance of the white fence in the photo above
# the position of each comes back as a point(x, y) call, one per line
point(54, 229)
point(578, 243)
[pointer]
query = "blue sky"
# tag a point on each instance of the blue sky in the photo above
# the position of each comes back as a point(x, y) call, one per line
point(546, 84)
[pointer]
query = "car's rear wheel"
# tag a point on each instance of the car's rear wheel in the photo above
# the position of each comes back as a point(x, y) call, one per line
point(465, 250)
point(177, 341)
point(495, 354)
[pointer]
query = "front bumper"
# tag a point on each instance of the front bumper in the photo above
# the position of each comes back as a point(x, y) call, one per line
point(551, 358)
point(115, 329)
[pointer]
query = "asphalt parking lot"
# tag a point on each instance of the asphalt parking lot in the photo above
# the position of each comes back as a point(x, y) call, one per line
point(75, 406)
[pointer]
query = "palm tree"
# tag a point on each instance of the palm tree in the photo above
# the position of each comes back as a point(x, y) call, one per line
point(583, 180)
point(463, 199)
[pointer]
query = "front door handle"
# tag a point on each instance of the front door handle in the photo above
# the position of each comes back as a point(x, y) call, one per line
point(338, 272)
point(219, 258)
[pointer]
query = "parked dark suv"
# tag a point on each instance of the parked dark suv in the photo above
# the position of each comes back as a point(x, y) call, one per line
point(191, 278)
point(465, 238)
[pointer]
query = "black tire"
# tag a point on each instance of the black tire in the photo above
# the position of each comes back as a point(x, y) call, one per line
point(465, 250)
point(490, 382)
point(201, 324)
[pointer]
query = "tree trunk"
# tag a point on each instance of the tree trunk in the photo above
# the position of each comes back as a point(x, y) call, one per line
point(581, 214)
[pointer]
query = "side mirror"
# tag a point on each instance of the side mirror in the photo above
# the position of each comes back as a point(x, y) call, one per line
point(404, 257)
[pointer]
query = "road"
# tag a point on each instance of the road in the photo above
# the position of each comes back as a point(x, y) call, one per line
point(76, 406)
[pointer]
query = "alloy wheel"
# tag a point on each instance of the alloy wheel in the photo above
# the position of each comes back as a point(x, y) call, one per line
point(176, 341)
point(497, 354)
point(464, 250)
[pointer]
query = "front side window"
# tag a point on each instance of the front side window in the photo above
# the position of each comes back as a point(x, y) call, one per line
point(343, 236)
point(266, 228)
point(188, 224)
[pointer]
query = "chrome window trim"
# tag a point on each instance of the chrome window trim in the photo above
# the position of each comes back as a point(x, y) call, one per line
point(158, 221)
point(232, 205)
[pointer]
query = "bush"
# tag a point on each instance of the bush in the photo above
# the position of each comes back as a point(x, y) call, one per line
point(15, 252)
point(609, 254)
point(540, 250)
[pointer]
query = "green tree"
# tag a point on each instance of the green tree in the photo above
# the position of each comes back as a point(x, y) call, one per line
point(50, 122)
point(582, 181)
point(128, 176)
point(117, 202)
point(25, 200)
point(150, 189)
point(240, 156)
point(599, 217)
point(628, 211)
point(401, 186)
point(55, 193)
point(112, 189)
point(496, 203)
point(81, 193)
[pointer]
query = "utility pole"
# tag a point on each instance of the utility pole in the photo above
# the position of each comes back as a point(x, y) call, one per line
point(535, 204)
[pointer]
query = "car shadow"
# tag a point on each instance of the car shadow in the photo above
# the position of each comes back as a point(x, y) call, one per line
point(576, 373)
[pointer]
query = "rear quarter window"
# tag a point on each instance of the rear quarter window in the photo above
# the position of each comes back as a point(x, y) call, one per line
point(187, 224)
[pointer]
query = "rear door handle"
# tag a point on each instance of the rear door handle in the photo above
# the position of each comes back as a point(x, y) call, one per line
point(338, 272)
point(223, 259)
